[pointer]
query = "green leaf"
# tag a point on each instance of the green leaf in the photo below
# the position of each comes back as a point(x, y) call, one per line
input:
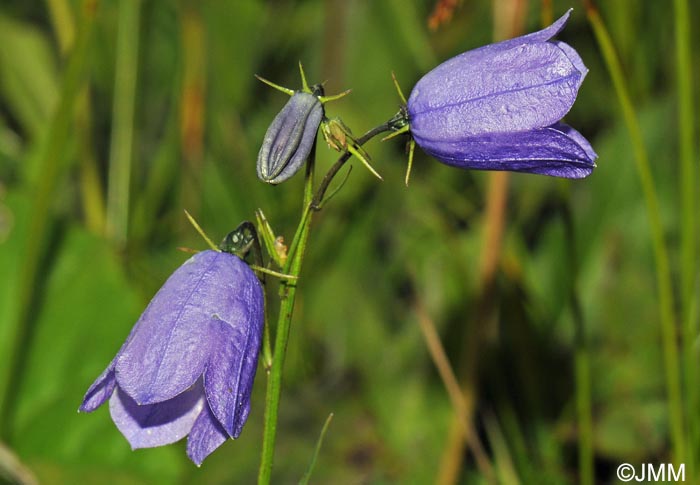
point(28, 77)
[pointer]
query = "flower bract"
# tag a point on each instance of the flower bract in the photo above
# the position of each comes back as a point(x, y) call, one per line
point(187, 367)
point(499, 107)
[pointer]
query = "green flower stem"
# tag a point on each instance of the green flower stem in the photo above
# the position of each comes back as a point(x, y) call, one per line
point(52, 169)
point(274, 381)
point(288, 291)
point(663, 270)
point(312, 202)
point(688, 190)
point(328, 178)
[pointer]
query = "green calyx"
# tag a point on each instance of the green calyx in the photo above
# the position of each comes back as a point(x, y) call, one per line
point(339, 137)
point(400, 124)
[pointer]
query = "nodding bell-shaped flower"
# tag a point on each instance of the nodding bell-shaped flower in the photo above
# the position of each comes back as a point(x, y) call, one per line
point(499, 107)
point(187, 367)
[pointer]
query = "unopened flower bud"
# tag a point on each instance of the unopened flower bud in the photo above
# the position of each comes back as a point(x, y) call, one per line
point(289, 138)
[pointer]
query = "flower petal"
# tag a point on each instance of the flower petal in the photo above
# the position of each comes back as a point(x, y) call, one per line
point(100, 390)
point(543, 35)
point(482, 91)
point(574, 57)
point(206, 436)
point(170, 345)
point(577, 138)
point(157, 424)
point(228, 380)
point(557, 150)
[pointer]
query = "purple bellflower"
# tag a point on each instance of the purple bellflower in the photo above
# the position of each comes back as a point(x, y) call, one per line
point(187, 367)
point(499, 107)
point(290, 137)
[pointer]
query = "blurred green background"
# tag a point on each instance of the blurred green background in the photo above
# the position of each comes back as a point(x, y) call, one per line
point(117, 115)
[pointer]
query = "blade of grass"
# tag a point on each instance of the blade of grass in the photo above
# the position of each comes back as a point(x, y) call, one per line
point(122, 137)
point(661, 259)
point(91, 189)
point(92, 196)
point(688, 190)
point(686, 128)
point(305, 479)
point(454, 391)
point(504, 463)
point(584, 412)
point(582, 363)
point(526, 463)
point(12, 470)
point(63, 23)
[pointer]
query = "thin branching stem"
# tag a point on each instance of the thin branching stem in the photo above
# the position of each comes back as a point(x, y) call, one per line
point(312, 202)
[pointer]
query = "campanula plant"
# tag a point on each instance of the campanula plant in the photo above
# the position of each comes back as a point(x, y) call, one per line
point(187, 367)
point(499, 107)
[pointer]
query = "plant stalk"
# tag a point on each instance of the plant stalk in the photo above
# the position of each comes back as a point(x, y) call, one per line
point(312, 202)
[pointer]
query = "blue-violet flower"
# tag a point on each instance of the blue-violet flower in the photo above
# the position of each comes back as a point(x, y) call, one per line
point(290, 137)
point(187, 367)
point(499, 107)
